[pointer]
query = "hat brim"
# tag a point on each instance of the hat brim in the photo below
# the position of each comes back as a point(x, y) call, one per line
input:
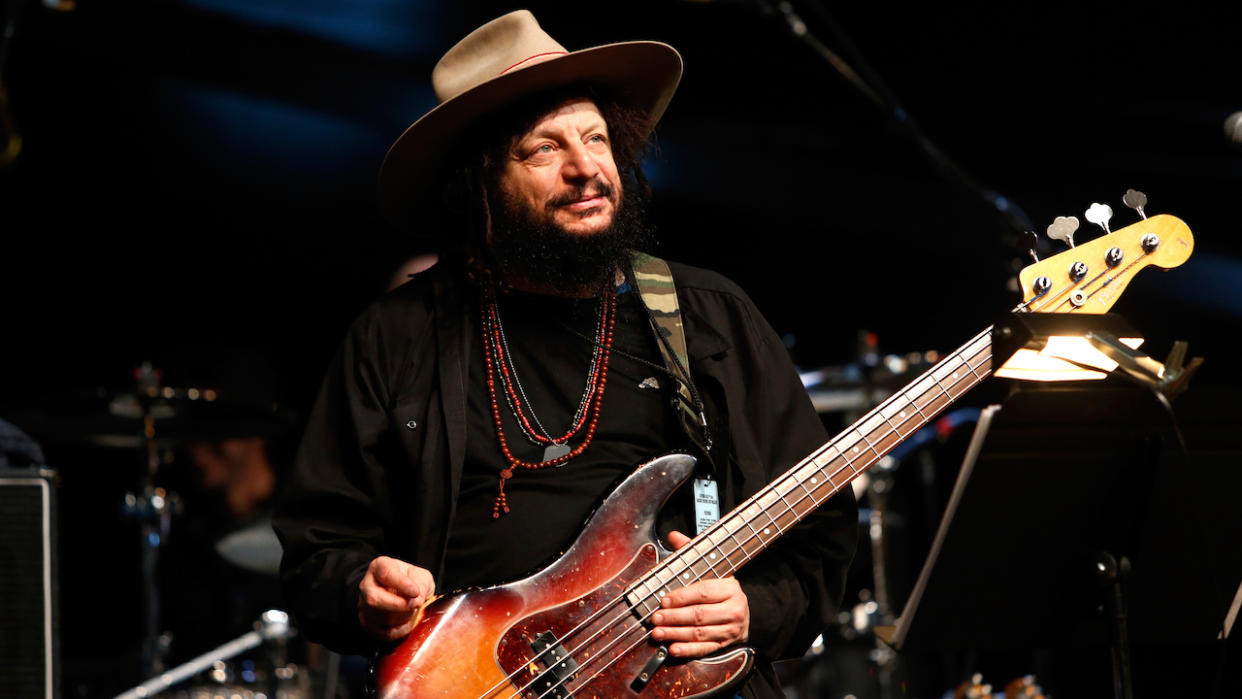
point(647, 72)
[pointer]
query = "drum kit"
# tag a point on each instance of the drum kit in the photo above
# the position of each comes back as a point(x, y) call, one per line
point(154, 421)
point(900, 499)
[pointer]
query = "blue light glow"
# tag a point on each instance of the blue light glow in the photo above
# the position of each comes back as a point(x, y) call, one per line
point(1208, 281)
point(398, 27)
point(290, 136)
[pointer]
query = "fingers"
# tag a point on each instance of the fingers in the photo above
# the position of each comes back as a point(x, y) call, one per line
point(706, 591)
point(676, 539)
point(703, 617)
point(379, 599)
point(390, 594)
point(402, 578)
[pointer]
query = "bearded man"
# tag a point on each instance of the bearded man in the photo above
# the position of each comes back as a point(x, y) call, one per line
point(477, 415)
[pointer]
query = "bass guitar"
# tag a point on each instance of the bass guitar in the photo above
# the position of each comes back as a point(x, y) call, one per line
point(578, 628)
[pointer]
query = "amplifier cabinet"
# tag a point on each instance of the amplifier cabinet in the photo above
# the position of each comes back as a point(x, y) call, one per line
point(29, 633)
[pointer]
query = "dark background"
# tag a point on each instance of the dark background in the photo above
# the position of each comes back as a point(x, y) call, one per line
point(199, 174)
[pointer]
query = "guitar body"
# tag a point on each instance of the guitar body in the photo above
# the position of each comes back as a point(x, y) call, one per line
point(501, 641)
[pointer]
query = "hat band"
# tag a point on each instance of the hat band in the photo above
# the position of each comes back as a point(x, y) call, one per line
point(531, 58)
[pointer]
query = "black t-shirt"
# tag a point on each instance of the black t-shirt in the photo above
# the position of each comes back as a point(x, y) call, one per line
point(549, 338)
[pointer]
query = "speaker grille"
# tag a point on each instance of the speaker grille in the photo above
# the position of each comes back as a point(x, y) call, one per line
point(26, 587)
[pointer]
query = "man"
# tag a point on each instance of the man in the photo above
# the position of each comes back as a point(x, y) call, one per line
point(476, 415)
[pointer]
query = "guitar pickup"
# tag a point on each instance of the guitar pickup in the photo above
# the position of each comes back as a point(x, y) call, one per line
point(561, 668)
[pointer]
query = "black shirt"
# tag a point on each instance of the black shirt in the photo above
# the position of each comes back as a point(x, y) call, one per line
point(380, 468)
point(550, 341)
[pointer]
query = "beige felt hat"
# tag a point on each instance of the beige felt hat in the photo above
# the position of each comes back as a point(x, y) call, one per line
point(503, 61)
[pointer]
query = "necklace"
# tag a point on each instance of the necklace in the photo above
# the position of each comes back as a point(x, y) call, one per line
point(511, 381)
point(500, 369)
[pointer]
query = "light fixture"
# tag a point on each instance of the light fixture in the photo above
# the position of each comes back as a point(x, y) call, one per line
point(1082, 346)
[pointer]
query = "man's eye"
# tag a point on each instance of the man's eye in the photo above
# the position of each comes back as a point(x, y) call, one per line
point(542, 150)
point(598, 138)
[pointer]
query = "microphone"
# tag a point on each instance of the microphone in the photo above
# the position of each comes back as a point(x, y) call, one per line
point(1233, 128)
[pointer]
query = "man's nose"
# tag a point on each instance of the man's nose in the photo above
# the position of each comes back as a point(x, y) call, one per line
point(580, 164)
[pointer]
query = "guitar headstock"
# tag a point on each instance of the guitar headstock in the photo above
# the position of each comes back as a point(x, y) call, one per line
point(1090, 277)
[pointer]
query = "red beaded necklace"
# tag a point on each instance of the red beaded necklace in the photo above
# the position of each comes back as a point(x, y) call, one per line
point(494, 356)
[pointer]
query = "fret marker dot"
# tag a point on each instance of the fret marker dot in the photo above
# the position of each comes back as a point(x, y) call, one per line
point(814, 480)
point(855, 450)
point(661, 593)
point(954, 375)
point(901, 414)
point(686, 575)
point(713, 556)
point(766, 530)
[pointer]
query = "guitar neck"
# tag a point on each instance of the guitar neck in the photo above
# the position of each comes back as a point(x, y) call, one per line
point(746, 531)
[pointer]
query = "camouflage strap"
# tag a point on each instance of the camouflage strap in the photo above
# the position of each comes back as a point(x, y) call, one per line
point(655, 284)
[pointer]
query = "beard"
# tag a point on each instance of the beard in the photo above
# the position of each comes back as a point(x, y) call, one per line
point(528, 245)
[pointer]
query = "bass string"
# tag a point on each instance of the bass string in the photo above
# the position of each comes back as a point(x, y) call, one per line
point(646, 633)
point(611, 624)
point(792, 474)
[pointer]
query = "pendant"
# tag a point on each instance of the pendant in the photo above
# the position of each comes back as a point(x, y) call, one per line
point(554, 451)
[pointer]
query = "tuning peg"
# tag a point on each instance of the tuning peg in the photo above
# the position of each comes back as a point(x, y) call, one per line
point(1034, 245)
point(1063, 228)
point(1135, 200)
point(1100, 214)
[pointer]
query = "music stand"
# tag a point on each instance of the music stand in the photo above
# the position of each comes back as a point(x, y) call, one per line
point(1053, 484)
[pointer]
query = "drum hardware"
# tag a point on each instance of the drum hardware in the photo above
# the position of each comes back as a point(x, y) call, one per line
point(880, 611)
point(974, 688)
point(1018, 688)
point(875, 606)
point(151, 419)
point(153, 509)
point(859, 386)
point(272, 627)
point(1024, 688)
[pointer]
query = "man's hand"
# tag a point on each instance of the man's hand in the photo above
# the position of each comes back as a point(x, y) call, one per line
point(389, 595)
point(703, 617)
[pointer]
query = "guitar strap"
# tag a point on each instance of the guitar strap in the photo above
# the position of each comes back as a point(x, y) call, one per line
point(655, 285)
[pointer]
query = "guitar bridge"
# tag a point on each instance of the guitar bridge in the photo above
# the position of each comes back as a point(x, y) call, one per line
point(560, 667)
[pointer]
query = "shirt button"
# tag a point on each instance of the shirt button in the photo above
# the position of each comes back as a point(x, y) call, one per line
point(412, 425)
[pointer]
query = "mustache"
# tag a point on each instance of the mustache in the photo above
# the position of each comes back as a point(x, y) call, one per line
point(594, 188)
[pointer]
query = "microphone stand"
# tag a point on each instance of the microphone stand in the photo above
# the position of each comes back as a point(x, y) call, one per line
point(874, 91)
point(273, 625)
point(1008, 212)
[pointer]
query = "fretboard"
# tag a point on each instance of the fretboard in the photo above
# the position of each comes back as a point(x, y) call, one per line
point(747, 530)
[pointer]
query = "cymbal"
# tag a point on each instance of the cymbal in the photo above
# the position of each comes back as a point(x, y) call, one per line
point(254, 548)
point(864, 384)
point(118, 419)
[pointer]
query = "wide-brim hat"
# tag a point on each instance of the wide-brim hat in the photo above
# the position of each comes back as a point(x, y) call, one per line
point(498, 64)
